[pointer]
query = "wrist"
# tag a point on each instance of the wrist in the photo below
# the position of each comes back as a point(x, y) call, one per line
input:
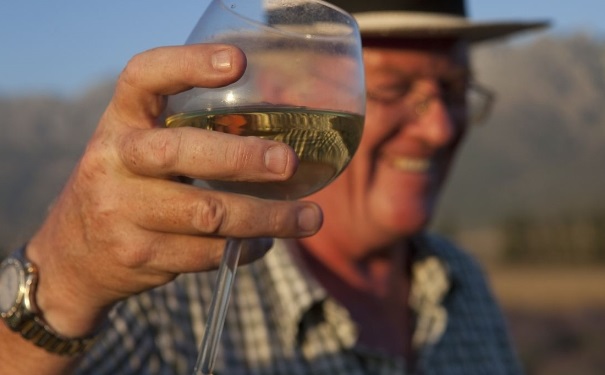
point(22, 313)
point(61, 305)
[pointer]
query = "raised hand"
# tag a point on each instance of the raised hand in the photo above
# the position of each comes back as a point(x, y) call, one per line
point(124, 223)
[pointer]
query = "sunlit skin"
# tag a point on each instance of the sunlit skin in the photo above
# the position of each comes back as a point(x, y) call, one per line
point(123, 225)
point(390, 189)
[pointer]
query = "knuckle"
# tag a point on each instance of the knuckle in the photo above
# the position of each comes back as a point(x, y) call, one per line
point(160, 150)
point(92, 169)
point(124, 249)
point(130, 151)
point(278, 220)
point(209, 215)
point(188, 67)
point(240, 155)
point(130, 250)
point(165, 148)
point(91, 165)
point(241, 159)
point(132, 72)
point(135, 257)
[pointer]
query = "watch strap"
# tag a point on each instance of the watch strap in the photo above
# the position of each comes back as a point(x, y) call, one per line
point(42, 335)
point(29, 322)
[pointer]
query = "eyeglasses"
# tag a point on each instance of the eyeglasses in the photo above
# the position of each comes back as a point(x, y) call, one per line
point(480, 101)
point(473, 103)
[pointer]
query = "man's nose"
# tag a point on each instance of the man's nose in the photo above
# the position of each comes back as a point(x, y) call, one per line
point(435, 121)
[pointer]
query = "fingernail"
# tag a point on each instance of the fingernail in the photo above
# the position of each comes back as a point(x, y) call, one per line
point(221, 60)
point(276, 159)
point(308, 220)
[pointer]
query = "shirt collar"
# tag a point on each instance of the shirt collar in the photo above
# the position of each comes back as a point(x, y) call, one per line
point(297, 291)
point(300, 294)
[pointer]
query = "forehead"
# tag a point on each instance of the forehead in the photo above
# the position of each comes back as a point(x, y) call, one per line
point(417, 58)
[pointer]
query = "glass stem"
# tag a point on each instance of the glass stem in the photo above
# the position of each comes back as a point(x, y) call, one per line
point(218, 307)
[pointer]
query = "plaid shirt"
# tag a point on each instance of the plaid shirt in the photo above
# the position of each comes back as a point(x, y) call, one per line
point(281, 321)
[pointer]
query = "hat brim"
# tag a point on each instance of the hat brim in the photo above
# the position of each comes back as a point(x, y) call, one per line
point(393, 24)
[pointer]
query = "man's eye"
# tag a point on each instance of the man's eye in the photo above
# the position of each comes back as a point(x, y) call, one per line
point(387, 95)
point(377, 96)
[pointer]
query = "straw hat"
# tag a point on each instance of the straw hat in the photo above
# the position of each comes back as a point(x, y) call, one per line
point(427, 19)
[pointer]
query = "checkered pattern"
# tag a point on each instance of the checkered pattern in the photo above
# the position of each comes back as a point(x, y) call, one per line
point(281, 321)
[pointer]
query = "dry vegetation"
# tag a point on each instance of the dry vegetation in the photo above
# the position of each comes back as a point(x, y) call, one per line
point(546, 289)
point(556, 317)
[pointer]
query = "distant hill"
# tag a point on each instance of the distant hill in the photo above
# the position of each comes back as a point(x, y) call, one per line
point(42, 139)
point(541, 153)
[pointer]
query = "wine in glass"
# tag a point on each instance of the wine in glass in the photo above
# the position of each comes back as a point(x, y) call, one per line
point(303, 85)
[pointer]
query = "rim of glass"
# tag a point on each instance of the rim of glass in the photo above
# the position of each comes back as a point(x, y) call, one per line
point(354, 27)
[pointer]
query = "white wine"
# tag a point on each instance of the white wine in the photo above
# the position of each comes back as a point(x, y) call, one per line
point(324, 142)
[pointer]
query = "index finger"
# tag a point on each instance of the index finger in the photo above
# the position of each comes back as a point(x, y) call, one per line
point(151, 75)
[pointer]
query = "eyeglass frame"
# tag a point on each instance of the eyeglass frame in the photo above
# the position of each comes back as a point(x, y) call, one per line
point(420, 106)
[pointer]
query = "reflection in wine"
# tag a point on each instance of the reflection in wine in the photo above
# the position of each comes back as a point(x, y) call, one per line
point(324, 141)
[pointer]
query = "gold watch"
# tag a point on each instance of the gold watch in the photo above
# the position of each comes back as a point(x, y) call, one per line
point(18, 309)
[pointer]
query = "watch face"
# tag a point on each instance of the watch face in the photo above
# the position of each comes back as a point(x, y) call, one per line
point(9, 286)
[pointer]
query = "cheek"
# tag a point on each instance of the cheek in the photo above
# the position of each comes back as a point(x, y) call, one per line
point(401, 212)
point(378, 127)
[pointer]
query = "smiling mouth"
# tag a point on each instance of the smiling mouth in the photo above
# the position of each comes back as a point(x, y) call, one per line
point(407, 164)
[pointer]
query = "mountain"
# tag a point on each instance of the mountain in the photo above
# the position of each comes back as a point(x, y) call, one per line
point(541, 153)
point(42, 139)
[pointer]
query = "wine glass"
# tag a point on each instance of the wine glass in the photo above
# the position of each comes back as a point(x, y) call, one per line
point(303, 85)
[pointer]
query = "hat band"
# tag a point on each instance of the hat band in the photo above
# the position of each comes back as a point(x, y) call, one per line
point(445, 7)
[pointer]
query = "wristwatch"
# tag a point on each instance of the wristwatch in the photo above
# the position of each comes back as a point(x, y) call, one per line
point(18, 309)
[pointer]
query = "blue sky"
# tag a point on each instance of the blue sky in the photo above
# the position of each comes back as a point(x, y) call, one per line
point(65, 46)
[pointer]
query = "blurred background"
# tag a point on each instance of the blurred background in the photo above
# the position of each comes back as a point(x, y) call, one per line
point(526, 196)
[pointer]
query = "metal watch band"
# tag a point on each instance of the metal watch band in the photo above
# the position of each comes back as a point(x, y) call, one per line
point(32, 327)
point(40, 334)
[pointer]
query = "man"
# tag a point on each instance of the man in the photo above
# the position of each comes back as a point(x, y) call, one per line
point(368, 293)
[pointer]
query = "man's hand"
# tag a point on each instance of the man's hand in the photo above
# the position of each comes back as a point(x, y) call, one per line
point(124, 224)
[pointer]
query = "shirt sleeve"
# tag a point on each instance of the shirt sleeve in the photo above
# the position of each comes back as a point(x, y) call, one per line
point(147, 334)
point(477, 339)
